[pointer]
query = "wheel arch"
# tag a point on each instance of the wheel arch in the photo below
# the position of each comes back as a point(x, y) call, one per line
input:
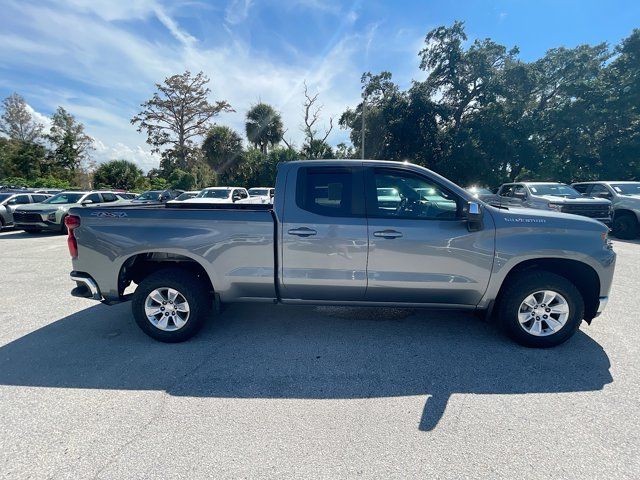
point(140, 265)
point(582, 275)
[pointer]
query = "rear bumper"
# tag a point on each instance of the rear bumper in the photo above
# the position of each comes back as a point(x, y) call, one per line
point(86, 287)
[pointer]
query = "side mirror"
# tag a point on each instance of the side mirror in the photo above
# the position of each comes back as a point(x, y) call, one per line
point(520, 195)
point(606, 195)
point(473, 215)
point(87, 202)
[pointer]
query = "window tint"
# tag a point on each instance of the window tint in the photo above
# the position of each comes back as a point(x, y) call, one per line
point(519, 192)
point(94, 197)
point(109, 197)
point(38, 198)
point(600, 190)
point(582, 188)
point(21, 200)
point(326, 191)
point(401, 194)
point(507, 191)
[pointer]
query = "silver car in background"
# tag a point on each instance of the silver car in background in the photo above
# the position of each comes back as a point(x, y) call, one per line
point(625, 201)
point(9, 201)
point(554, 196)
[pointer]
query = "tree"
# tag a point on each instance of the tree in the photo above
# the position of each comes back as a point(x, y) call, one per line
point(257, 169)
point(222, 148)
point(177, 113)
point(120, 174)
point(70, 144)
point(263, 126)
point(315, 145)
point(182, 180)
point(17, 122)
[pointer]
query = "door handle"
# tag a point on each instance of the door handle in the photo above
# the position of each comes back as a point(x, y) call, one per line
point(302, 232)
point(387, 234)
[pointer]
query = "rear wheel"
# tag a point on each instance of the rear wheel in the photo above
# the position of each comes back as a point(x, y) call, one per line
point(171, 305)
point(625, 226)
point(540, 309)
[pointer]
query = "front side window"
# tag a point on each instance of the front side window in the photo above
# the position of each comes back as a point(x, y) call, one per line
point(94, 197)
point(600, 191)
point(220, 193)
point(326, 191)
point(520, 192)
point(400, 194)
point(582, 188)
point(507, 190)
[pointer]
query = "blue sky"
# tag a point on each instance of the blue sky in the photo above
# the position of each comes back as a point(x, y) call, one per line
point(100, 58)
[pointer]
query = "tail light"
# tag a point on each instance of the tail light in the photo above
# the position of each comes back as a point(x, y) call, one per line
point(72, 222)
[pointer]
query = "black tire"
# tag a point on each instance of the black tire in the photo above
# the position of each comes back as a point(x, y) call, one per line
point(189, 286)
point(32, 230)
point(625, 226)
point(526, 284)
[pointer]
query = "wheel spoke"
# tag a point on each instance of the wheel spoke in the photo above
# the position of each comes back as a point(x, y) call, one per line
point(163, 322)
point(152, 311)
point(560, 308)
point(178, 321)
point(182, 307)
point(524, 317)
point(172, 294)
point(157, 296)
point(536, 327)
point(554, 324)
point(530, 301)
point(548, 297)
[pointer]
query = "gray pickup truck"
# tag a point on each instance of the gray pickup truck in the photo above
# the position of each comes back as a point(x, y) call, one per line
point(346, 232)
point(625, 201)
point(553, 196)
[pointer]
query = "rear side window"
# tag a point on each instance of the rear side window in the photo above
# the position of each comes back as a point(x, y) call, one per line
point(582, 188)
point(94, 197)
point(39, 198)
point(327, 191)
point(109, 197)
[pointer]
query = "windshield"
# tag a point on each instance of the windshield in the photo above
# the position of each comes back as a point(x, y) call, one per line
point(185, 196)
point(219, 193)
point(258, 192)
point(4, 196)
point(627, 188)
point(554, 190)
point(150, 195)
point(64, 198)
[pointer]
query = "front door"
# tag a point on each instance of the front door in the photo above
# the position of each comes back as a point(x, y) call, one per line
point(420, 250)
point(324, 235)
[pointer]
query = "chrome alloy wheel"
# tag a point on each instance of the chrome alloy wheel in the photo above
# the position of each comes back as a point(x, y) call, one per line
point(166, 309)
point(543, 313)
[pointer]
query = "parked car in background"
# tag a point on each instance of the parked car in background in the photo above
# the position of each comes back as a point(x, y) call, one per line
point(625, 201)
point(555, 196)
point(9, 201)
point(262, 192)
point(481, 193)
point(157, 196)
point(50, 214)
point(220, 195)
point(186, 196)
point(329, 240)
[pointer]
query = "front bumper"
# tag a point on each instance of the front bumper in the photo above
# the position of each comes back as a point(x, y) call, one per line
point(601, 305)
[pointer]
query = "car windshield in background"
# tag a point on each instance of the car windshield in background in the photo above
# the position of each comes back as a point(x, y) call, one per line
point(553, 190)
point(4, 196)
point(258, 192)
point(185, 196)
point(62, 198)
point(224, 193)
point(627, 188)
point(152, 195)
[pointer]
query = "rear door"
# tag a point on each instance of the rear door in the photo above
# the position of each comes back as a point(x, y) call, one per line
point(420, 250)
point(324, 234)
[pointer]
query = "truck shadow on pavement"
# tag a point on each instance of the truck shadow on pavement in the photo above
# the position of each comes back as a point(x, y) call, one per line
point(265, 351)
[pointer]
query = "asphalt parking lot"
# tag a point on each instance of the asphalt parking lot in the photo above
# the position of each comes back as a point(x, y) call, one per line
point(267, 391)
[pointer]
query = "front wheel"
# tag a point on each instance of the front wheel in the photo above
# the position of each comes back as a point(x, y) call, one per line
point(171, 305)
point(540, 309)
point(625, 226)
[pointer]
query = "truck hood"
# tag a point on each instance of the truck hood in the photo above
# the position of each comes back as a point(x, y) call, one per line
point(576, 200)
point(46, 207)
point(534, 218)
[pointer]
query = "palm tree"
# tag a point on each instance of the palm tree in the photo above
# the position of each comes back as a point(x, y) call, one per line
point(263, 126)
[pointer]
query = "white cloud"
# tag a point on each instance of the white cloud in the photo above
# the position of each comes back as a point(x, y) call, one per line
point(109, 68)
point(238, 11)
